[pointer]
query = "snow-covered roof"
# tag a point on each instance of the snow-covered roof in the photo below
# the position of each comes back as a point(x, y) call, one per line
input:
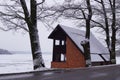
point(96, 47)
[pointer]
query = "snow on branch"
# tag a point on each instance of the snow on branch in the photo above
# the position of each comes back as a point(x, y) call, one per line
point(84, 41)
point(38, 51)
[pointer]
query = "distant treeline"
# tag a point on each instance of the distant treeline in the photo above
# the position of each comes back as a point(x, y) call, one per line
point(3, 51)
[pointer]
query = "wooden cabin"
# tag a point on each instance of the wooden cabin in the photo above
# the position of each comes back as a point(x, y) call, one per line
point(68, 52)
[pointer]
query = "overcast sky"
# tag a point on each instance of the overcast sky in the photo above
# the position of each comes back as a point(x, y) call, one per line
point(17, 41)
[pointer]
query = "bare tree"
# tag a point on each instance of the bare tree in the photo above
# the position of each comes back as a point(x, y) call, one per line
point(113, 27)
point(86, 43)
point(76, 11)
point(17, 15)
point(109, 25)
point(101, 14)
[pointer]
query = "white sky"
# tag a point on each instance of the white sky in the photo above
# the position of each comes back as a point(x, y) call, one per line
point(16, 41)
point(19, 41)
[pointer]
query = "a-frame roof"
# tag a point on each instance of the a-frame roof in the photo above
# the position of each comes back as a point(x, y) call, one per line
point(77, 36)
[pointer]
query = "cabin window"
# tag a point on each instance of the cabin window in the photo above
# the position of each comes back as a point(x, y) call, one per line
point(59, 50)
point(63, 57)
point(63, 42)
point(57, 42)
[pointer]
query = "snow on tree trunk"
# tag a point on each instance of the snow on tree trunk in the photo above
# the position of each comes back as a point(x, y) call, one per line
point(86, 46)
point(36, 51)
point(31, 20)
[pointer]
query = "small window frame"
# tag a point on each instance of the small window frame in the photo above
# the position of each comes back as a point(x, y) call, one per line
point(57, 42)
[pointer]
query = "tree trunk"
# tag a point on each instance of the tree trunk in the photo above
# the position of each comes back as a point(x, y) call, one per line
point(34, 37)
point(31, 20)
point(113, 38)
point(110, 44)
point(86, 43)
point(35, 47)
point(106, 25)
point(86, 46)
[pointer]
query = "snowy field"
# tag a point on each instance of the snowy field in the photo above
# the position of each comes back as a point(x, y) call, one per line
point(17, 63)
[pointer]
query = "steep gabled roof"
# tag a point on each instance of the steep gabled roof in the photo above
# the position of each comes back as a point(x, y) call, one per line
point(77, 36)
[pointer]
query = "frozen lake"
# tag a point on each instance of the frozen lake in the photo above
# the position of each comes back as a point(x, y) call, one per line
point(23, 62)
point(19, 63)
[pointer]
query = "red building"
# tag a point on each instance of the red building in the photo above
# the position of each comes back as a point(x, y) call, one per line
point(68, 52)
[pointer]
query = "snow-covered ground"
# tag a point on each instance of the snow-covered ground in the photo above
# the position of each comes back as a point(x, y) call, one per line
point(17, 63)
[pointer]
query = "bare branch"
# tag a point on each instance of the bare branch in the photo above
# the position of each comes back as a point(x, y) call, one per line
point(41, 2)
point(6, 29)
point(98, 1)
point(25, 9)
point(98, 23)
point(17, 26)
